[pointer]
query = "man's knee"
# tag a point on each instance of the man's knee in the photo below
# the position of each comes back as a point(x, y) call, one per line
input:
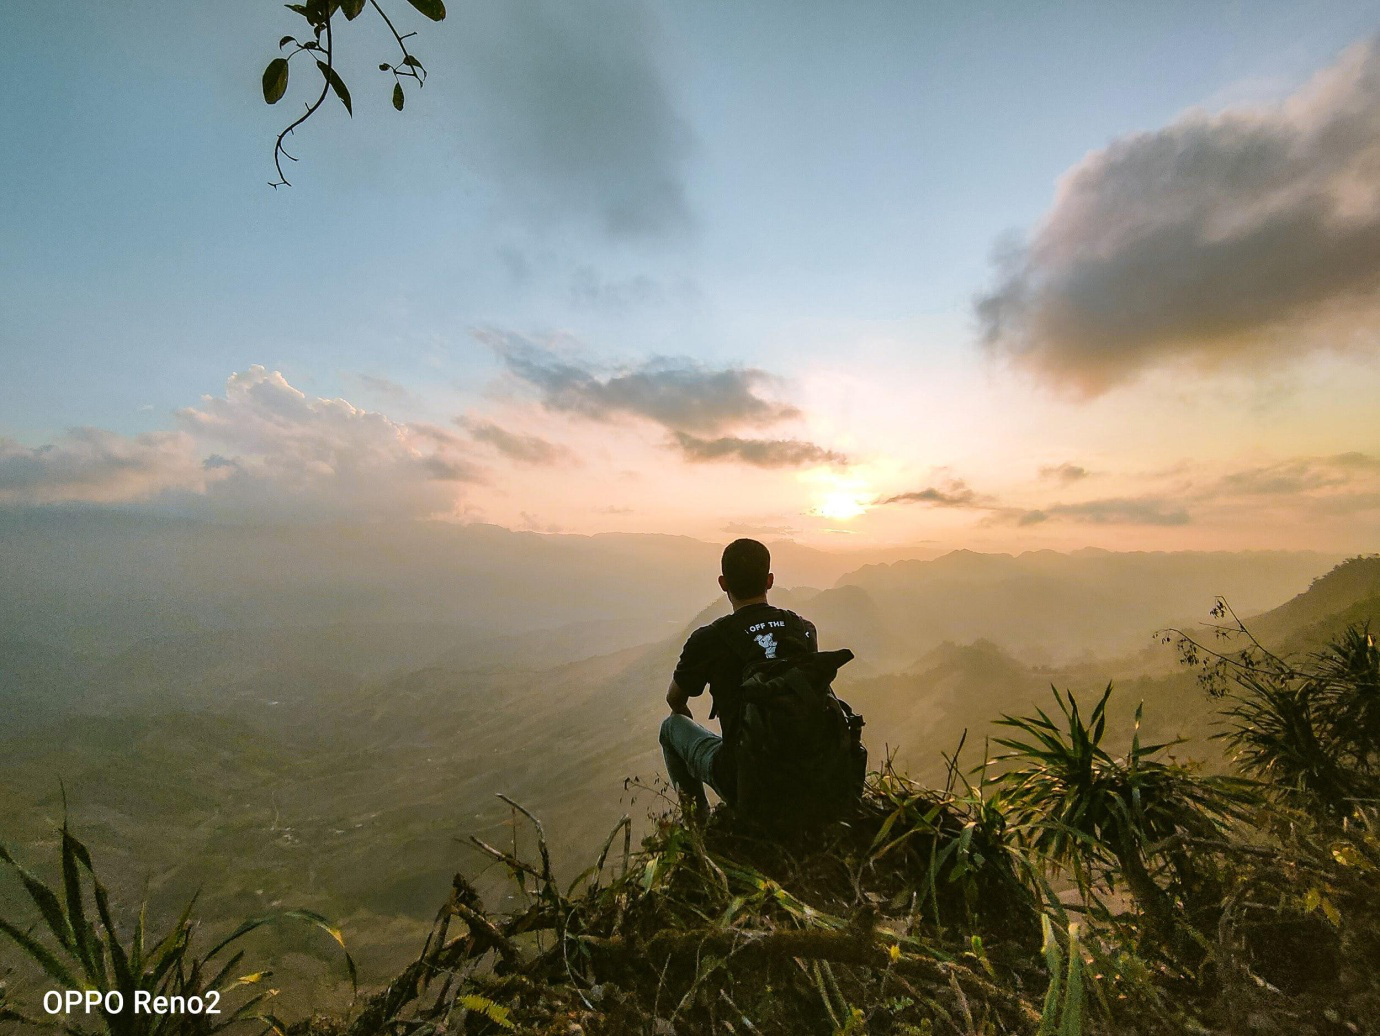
point(667, 726)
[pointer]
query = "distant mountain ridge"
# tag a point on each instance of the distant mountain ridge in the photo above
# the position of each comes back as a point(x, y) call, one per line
point(1052, 608)
point(964, 686)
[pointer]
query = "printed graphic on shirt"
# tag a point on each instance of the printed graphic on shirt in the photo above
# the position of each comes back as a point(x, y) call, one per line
point(757, 627)
point(768, 643)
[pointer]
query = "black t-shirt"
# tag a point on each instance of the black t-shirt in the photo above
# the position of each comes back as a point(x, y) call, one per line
point(717, 654)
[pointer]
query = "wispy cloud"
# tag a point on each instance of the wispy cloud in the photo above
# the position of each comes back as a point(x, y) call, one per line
point(750, 529)
point(1064, 473)
point(518, 446)
point(1256, 229)
point(1299, 475)
point(762, 453)
point(1114, 511)
point(956, 494)
point(681, 395)
point(385, 388)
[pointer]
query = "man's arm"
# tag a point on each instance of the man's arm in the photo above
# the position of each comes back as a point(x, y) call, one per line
point(678, 700)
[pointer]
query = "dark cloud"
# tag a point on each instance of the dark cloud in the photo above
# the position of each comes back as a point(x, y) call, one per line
point(1064, 473)
point(528, 449)
point(762, 453)
point(1251, 230)
point(957, 494)
point(677, 394)
point(566, 108)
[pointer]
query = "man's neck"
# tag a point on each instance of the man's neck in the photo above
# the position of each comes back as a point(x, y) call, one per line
point(747, 602)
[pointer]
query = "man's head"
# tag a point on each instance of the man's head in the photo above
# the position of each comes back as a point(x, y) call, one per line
point(746, 570)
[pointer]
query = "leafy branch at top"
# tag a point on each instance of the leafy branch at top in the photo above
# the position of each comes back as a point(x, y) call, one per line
point(320, 18)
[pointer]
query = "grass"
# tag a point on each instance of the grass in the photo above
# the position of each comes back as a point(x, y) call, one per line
point(78, 953)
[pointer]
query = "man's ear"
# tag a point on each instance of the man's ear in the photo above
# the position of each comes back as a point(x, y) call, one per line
point(723, 584)
point(771, 580)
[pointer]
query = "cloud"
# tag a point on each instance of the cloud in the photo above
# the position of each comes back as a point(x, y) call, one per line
point(518, 446)
point(957, 494)
point(1285, 478)
point(591, 288)
point(568, 112)
point(749, 529)
point(1117, 511)
point(386, 388)
point(264, 451)
point(304, 456)
point(680, 395)
point(1064, 473)
point(91, 465)
point(762, 453)
point(1254, 230)
point(1342, 483)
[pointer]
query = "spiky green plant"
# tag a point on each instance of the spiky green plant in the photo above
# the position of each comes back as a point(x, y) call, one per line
point(961, 841)
point(1312, 730)
point(1100, 816)
point(81, 954)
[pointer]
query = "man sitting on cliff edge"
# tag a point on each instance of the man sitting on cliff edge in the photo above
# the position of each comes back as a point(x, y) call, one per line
point(716, 655)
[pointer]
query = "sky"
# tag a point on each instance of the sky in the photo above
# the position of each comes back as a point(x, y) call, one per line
point(998, 276)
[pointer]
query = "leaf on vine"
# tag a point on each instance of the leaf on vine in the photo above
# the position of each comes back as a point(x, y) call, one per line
point(411, 62)
point(351, 8)
point(275, 80)
point(285, 41)
point(433, 9)
point(397, 96)
point(337, 84)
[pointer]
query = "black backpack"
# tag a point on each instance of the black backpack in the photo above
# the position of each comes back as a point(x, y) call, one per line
point(798, 746)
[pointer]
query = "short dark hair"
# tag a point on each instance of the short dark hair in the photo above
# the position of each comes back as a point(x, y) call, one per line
point(746, 564)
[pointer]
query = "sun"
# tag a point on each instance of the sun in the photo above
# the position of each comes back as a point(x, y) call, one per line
point(841, 504)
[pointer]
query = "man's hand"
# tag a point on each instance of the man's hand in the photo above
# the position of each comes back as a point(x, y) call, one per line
point(678, 700)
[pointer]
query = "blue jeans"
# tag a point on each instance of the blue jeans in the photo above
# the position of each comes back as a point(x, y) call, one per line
point(689, 751)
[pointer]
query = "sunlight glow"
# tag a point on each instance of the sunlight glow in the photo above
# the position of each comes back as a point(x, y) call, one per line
point(840, 505)
point(838, 497)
